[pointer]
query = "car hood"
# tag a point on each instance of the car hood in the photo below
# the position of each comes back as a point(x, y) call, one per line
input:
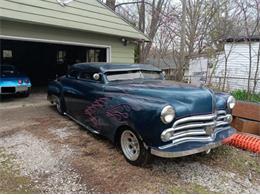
point(186, 99)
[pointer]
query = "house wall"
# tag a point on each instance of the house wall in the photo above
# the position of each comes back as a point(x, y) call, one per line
point(197, 69)
point(88, 15)
point(237, 67)
point(119, 53)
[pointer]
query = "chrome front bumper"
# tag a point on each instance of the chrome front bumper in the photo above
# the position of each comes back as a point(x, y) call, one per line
point(193, 146)
point(166, 154)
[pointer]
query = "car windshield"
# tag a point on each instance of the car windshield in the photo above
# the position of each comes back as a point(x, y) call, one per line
point(8, 70)
point(133, 75)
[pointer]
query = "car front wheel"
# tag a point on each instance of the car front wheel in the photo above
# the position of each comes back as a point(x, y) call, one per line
point(133, 148)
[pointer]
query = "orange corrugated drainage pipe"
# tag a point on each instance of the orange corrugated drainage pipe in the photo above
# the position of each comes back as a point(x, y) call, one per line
point(244, 141)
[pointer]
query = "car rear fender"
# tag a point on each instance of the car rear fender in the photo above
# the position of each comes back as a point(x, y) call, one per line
point(55, 88)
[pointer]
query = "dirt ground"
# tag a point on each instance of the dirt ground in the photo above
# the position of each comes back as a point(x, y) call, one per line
point(41, 151)
point(37, 97)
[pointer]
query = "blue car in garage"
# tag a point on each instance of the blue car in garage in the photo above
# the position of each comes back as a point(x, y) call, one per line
point(12, 81)
point(134, 106)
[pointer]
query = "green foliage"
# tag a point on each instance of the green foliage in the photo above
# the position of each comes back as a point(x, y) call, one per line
point(243, 96)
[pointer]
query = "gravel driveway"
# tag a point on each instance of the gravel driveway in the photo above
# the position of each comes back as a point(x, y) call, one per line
point(41, 151)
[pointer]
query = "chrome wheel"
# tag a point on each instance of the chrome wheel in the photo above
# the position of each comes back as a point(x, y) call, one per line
point(130, 145)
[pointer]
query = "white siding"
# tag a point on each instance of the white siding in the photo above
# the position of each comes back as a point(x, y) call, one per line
point(197, 69)
point(237, 66)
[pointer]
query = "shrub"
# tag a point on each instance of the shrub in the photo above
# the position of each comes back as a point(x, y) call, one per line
point(243, 96)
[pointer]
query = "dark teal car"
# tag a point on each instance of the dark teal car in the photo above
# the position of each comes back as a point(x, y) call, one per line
point(12, 81)
point(135, 107)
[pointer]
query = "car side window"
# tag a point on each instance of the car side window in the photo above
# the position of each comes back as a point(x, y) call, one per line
point(73, 74)
point(85, 76)
point(89, 76)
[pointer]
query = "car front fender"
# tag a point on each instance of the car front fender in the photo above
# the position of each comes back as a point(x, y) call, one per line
point(142, 114)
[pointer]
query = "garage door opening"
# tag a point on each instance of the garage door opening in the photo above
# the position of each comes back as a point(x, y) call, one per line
point(42, 62)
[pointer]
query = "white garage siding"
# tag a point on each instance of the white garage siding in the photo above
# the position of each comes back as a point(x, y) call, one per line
point(197, 69)
point(237, 66)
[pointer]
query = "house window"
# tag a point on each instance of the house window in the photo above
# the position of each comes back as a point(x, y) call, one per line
point(95, 55)
point(7, 54)
point(61, 56)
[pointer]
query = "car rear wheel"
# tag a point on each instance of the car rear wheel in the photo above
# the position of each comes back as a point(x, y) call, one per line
point(133, 148)
point(59, 106)
point(26, 94)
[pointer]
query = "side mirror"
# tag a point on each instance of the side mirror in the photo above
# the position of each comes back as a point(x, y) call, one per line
point(96, 76)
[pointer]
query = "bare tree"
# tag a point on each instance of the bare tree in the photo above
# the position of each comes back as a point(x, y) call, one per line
point(165, 48)
point(200, 18)
point(256, 77)
point(243, 6)
point(226, 57)
point(157, 13)
point(200, 14)
point(205, 22)
point(111, 4)
point(181, 65)
point(150, 17)
point(246, 8)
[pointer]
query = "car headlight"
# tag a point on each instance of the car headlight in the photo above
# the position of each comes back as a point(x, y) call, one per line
point(167, 114)
point(231, 102)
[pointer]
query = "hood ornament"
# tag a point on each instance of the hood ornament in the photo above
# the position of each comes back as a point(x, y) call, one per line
point(64, 2)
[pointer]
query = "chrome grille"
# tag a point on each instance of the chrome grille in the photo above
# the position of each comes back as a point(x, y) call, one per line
point(197, 128)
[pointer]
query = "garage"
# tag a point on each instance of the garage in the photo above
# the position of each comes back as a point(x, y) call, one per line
point(44, 38)
point(43, 61)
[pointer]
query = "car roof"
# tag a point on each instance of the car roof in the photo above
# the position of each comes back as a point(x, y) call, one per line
point(109, 67)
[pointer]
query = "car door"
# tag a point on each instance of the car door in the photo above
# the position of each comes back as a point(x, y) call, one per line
point(90, 100)
point(70, 91)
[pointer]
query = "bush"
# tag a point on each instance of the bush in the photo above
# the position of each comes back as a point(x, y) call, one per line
point(243, 96)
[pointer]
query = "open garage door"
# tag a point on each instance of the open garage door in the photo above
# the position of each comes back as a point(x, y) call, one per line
point(43, 61)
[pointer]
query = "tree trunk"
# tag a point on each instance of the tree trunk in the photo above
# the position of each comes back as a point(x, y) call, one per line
point(225, 74)
point(181, 65)
point(257, 69)
point(141, 26)
point(226, 56)
point(250, 67)
point(157, 9)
